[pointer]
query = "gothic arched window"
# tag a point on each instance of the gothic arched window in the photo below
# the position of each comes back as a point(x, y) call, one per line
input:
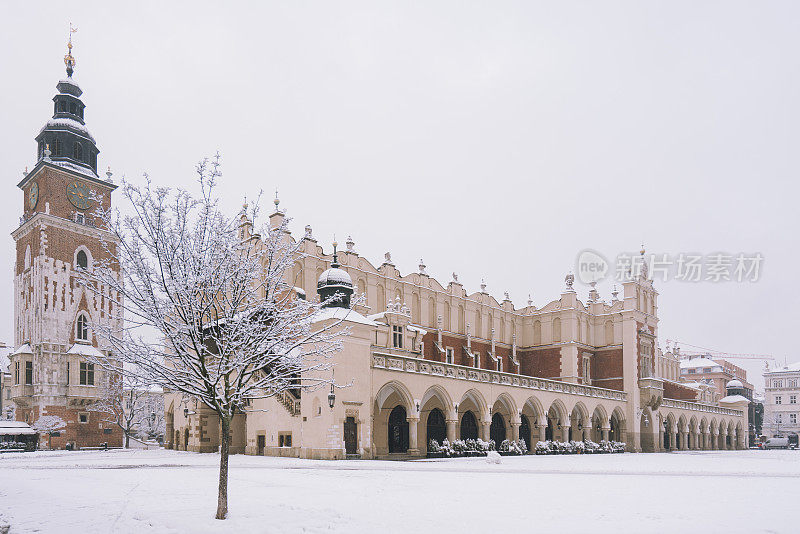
point(82, 260)
point(82, 328)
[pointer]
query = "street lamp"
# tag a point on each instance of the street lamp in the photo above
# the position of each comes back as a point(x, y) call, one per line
point(331, 397)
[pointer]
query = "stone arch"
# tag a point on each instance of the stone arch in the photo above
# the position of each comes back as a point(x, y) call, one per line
point(390, 396)
point(618, 425)
point(703, 434)
point(693, 434)
point(670, 428)
point(437, 397)
point(741, 438)
point(599, 430)
point(682, 432)
point(557, 421)
point(713, 434)
point(473, 405)
point(730, 435)
point(532, 425)
point(646, 434)
point(505, 401)
point(578, 422)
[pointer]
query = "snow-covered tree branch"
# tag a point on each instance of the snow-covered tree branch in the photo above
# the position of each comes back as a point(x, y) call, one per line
point(48, 424)
point(219, 297)
point(129, 403)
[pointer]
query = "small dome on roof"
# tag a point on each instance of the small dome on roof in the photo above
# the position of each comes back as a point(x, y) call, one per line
point(335, 287)
point(335, 277)
point(734, 384)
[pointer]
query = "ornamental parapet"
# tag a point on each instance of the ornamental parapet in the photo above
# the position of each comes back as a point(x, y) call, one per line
point(698, 407)
point(393, 362)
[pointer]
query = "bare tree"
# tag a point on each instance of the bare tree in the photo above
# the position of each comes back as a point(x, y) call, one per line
point(221, 299)
point(49, 424)
point(128, 402)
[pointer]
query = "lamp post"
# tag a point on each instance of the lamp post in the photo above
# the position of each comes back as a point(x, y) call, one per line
point(331, 398)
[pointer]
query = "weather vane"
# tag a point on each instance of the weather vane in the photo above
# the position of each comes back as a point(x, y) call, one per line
point(69, 60)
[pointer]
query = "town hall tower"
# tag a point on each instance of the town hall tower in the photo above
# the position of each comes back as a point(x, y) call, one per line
point(60, 234)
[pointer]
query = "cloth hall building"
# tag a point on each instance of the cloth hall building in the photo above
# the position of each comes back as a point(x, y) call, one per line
point(426, 360)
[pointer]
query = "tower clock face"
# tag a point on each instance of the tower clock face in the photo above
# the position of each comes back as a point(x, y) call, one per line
point(79, 195)
point(33, 195)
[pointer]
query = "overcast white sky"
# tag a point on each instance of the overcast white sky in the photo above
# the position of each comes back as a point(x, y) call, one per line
point(494, 139)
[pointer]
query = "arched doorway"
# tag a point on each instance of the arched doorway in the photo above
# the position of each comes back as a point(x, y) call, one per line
point(666, 435)
point(469, 426)
point(525, 430)
point(646, 440)
point(437, 427)
point(548, 432)
point(614, 433)
point(398, 430)
point(497, 431)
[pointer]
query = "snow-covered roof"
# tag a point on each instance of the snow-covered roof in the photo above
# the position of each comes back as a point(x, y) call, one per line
point(25, 348)
point(791, 367)
point(697, 385)
point(734, 384)
point(82, 349)
point(342, 314)
point(15, 428)
point(5, 352)
point(734, 398)
point(66, 122)
point(694, 363)
point(422, 331)
point(77, 168)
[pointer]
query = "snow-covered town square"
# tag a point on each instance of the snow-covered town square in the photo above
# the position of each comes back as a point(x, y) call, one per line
point(399, 267)
point(167, 492)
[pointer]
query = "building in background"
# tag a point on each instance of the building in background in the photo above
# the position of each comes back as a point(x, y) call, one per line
point(781, 394)
point(59, 236)
point(6, 404)
point(428, 360)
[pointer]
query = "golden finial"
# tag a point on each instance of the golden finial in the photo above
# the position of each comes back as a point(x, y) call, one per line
point(69, 60)
point(642, 251)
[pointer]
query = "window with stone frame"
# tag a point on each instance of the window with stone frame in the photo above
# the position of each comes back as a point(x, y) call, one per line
point(777, 384)
point(448, 355)
point(16, 373)
point(397, 337)
point(778, 400)
point(82, 328)
point(87, 374)
point(82, 260)
point(793, 418)
point(28, 373)
point(792, 399)
point(646, 356)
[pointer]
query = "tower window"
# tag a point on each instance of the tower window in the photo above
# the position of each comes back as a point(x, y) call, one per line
point(29, 373)
point(82, 330)
point(82, 260)
point(73, 108)
point(87, 374)
point(77, 151)
point(57, 147)
point(63, 106)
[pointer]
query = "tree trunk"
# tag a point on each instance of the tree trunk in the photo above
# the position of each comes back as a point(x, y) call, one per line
point(225, 438)
point(127, 440)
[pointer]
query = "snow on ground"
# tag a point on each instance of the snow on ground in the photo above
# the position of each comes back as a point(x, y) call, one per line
point(175, 492)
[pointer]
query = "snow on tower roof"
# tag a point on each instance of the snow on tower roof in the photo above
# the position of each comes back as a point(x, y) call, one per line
point(25, 348)
point(85, 350)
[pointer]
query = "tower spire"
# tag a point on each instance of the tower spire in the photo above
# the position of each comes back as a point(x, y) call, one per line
point(69, 59)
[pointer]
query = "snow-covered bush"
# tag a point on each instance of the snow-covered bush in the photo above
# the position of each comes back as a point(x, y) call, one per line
point(12, 445)
point(590, 447)
point(505, 446)
point(433, 446)
point(542, 447)
point(577, 447)
point(523, 447)
point(460, 446)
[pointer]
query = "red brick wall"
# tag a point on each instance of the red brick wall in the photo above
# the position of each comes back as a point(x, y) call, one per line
point(460, 357)
point(607, 369)
point(89, 434)
point(542, 363)
point(678, 392)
